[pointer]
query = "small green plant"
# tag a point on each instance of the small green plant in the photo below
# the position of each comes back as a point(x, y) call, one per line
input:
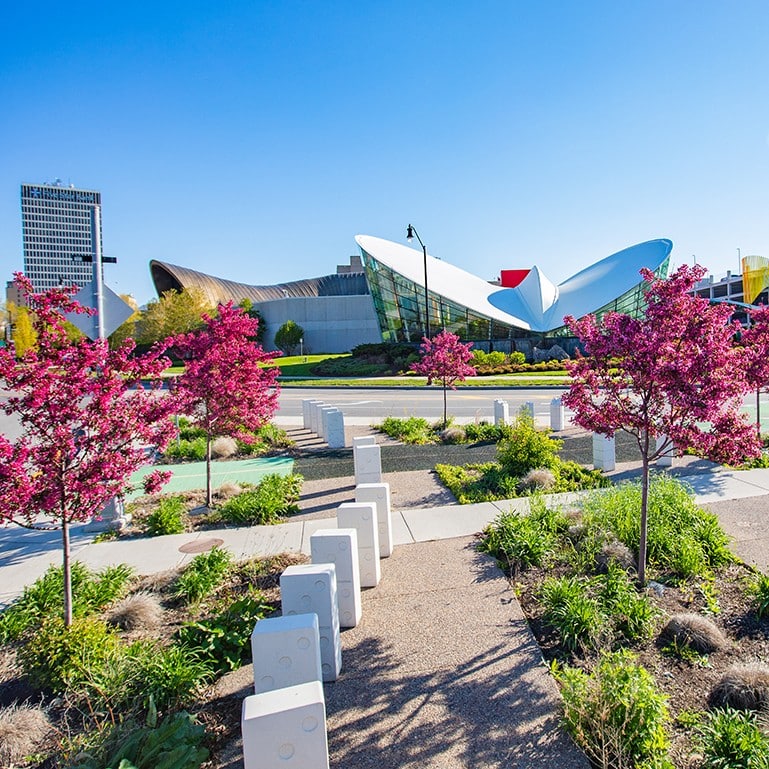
point(527, 448)
point(760, 593)
point(682, 651)
point(616, 714)
point(203, 575)
point(732, 739)
point(192, 450)
point(174, 743)
point(57, 658)
point(167, 518)
point(575, 615)
point(633, 616)
point(412, 430)
point(43, 599)
point(274, 498)
point(223, 641)
point(520, 541)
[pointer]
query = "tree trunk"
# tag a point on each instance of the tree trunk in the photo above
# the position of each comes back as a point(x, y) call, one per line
point(208, 470)
point(644, 521)
point(67, 571)
point(445, 422)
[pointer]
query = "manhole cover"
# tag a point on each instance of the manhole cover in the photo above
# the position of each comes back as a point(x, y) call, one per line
point(200, 545)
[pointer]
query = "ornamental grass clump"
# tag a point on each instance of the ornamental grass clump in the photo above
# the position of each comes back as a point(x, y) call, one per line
point(616, 713)
point(138, 611)
point(22, 730)
point(743, 686)
point(694, 631)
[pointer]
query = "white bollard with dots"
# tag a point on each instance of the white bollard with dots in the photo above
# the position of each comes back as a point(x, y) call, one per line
point(307, 404)
point(286, 652)
point(285, 728)
point(362, 517)
point(324, 415)
point(604, 457)
point(379, 494)
point(556, 415)
point(368, 464)
point(361, 440)
point(501, 412)
point(311, 589)
point(340, 547)
point(527, 410)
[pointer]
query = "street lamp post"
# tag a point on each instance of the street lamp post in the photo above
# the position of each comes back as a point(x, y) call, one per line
point(411, 233)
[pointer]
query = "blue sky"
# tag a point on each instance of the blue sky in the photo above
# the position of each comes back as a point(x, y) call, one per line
point(254, 140)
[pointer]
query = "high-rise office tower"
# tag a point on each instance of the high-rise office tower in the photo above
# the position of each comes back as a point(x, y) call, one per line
point(57, 227)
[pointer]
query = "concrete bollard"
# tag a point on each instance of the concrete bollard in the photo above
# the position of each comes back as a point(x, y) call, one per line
point(335, 429)
point(362, 517)
point(379, 494)
point(340, 547)
point(556, 414)
point(361, 440)
point(307, 412)
point(527, 409)
point(324, 414)
point(368, 464)
point(286, 652)
point(311, 589)
point(285, 728)
point(315, 416)
point(666, 459)
point(501, 412)
point(603, 453)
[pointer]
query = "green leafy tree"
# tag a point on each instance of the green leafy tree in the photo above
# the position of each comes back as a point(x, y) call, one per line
point(176, 312)
point(288, 337)
point(24, 337)
point(248, 307)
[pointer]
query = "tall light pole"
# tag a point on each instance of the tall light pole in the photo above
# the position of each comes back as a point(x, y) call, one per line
point(411, 233)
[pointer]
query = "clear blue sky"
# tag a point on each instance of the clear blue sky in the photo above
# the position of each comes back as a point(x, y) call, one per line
point(253, 140)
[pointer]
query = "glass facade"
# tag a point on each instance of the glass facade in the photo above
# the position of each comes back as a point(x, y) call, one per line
point(400, 308)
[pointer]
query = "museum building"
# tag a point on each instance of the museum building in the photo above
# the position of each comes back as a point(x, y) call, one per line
point(382, 295)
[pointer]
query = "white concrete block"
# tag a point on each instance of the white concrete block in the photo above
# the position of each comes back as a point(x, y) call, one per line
point(556, 414)
point(361, 440)
point(315, 416)
point(666, 459)
point(379, 494)
point(307, 412)
point(362, 516)
point(285, 729)
point(324, 413)
point(335, 430)
point(311, 589)
point(368, 464)
point(501, 412)
point(603, 453)
point(286, 652)
point(340, 547)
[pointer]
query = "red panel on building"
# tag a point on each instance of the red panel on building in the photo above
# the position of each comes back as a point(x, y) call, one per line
point(511, 278)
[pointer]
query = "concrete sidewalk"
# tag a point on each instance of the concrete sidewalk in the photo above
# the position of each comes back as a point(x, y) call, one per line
point(25, 555)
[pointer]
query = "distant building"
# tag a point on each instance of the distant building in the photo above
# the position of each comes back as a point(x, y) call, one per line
point(57, 233)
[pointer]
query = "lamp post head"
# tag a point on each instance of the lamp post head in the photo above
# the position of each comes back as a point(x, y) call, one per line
point(409, 233)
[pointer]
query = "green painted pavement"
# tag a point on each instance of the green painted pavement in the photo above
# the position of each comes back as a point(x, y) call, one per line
point(192, 475)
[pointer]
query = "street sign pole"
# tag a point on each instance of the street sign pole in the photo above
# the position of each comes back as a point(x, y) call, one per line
point(98, 277)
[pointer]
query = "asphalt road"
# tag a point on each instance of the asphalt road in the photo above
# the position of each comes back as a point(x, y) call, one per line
point(466, 404)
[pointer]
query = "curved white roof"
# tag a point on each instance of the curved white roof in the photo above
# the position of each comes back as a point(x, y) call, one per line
point(536, 303)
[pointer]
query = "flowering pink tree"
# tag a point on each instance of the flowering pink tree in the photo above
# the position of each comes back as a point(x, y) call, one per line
point(225, 388)
point(672, 379)
point(86, 419)
point(445, 360)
